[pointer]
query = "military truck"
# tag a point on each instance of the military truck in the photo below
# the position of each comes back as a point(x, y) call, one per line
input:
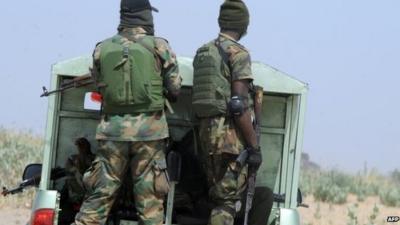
point(71, 114)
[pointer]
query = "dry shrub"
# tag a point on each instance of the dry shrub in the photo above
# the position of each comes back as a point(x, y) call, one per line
point(17, 149)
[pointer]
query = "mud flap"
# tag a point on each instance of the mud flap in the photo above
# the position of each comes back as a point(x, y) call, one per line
point(288, 217)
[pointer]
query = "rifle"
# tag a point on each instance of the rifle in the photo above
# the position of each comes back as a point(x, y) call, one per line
point(83, 81)
point(56, 173)
point(77, 82)
point(242, 158)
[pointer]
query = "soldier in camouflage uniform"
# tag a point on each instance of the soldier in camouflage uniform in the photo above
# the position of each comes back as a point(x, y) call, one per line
point(224, 135)
point(74, 190)
point(132, 139)
point(76, 166)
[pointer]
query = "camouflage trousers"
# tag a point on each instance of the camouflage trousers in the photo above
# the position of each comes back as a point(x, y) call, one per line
point(105, 176)
point(74, 186)
point(226, 180)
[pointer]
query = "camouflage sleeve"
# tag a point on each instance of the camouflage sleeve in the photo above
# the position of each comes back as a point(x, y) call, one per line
point(170, 70)
point(70, 163)
point(240, 62)
point(96, 61)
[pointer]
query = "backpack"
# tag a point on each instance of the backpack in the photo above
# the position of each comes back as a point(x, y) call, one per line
point(129, 70)
point(211, 89)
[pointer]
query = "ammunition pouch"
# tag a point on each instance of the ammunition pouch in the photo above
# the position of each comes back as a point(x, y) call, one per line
point(227, 209)
point(161, 180)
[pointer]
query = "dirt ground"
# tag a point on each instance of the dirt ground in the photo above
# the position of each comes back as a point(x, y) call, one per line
point(13, 216)
point(318, 213)
point(327, 214)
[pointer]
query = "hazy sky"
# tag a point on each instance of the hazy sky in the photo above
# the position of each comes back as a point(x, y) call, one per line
point(347, 50)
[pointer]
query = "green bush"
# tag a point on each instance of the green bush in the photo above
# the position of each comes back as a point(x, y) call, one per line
point(334, 186)
point(390, 196)
point(395, 176)
point(331, 186)
point(327, 191)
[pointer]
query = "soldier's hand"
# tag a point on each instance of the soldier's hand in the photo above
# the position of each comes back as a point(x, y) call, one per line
point(254, 159)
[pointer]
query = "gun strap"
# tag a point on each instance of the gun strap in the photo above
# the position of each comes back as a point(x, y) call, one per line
point(219, 138)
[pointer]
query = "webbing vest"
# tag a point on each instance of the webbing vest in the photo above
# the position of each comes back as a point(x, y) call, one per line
point(211, 88)
point(131, 75)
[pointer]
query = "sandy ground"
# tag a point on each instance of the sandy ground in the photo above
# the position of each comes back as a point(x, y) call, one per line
point(318, 214)
point(9, 216)
point(327, 214)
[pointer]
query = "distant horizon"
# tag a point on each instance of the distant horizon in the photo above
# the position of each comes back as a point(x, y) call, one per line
point(311, 159)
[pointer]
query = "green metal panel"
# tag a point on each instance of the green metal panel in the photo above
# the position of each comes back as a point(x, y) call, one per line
point(276, 81)
point(72, 128)
point(74, 67)
point(272, 139)
point(281, 186)
point(186, 70)
point(50, 127)
point(296, 148)
point(290, 153)
point(73, 122)
point(72, 100)
point(181, 121)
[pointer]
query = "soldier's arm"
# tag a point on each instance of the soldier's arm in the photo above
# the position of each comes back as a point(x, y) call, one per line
point(169, 68)
point(244, 121)
point(240, 64)
point(96, 62)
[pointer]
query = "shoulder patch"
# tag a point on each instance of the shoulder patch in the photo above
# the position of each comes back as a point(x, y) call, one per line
point(232, 47)
point(234, 50)
point(161, 39)
point(241, 47)
point(99, 43)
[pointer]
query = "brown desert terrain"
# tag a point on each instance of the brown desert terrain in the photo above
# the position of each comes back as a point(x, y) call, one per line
point(321, 213)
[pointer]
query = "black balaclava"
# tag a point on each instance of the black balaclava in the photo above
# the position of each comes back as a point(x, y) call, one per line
point(137, 13)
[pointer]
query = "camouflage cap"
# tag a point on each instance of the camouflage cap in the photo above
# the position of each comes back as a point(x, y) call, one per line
point(234, 15)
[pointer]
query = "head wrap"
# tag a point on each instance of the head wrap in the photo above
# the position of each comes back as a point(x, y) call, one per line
point(137, 13)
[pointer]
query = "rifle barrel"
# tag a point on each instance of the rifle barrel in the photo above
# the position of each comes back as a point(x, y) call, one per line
point(76, 82)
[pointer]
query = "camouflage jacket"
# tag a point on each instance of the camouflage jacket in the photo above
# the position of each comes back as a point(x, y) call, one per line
point(141, 126)
point(220, 131)
point(76, 167)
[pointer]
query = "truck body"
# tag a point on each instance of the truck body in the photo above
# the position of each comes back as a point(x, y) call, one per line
point(283, 113)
